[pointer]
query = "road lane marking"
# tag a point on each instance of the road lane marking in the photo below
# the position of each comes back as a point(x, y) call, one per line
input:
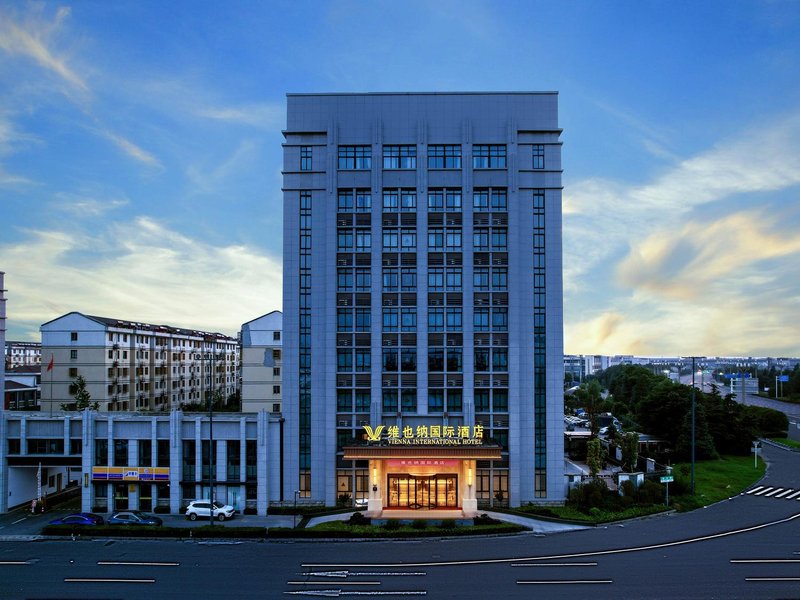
point(105, 580)
point(490, 561)
point(797, 493)
point(782, 494)
point(15, 562)
point(772, 578)
point(19, 520)
point(763, 491)
point(143, 564)
point(338, 593)
point(755, 489)
point(329, 583)
point(345, 574)
point(773, 493)
point(765, 560)
point(574, 564)
point(564, 581)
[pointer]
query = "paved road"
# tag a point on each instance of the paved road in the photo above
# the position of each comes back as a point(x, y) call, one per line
point(669, 556)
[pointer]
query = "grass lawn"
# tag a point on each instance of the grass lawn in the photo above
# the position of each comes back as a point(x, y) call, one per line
point(716, 480)
point(787, 442)
point(571, 513)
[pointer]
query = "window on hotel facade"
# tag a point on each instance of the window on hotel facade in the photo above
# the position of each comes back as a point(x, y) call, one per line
point(435, 279)
point(435, 401)
point(454, 401)
point(305, 158)
point(389, 403)
point(390, 363)
point(444, 156)
point(399, 157)
point(408, 360)
point(444, 200)
point(538, 156)
point(363, 319)
point(391, 279)
point(355, 157)
point(363, 400)
point(408, 401)
point(363, 280)
point(489, 156)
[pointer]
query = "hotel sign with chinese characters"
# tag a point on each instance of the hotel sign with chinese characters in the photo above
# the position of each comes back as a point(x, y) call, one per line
point(426, 435)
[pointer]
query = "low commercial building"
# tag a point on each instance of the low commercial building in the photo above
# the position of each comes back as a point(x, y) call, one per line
point(133, 461)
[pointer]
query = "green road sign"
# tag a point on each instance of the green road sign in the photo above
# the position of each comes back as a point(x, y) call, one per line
point(667, 479)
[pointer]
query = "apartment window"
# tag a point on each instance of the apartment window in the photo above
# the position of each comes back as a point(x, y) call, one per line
point(408, 239)
point(480, 278)
point(363, 201)
point(276, 354)
point(500, 400)
point(363, 400)
point(408, 319)
point(363, 280)
point(436, 239)
point(355, 157)
point(454, 360)
point(481, 400)
point(390, 318)
point(444, 156)
point(408, 279)
point(480, 318)
point(276, 389)
point(390, 239)
point(499, 200)
point(435, 401)
point(444, 199)
point(363, 359)
point(345, 200)
point(404, 200)
point(453, 319)
point(538, 156)
point(344, 280)
point(500, 359)
point(499, 240)
point(73, 336)
point(305, 158)
point(436, 360)
point(389, 403)
point(408, 200)
point(489, 156)
point(276, 336)
point(452, 239)
point(363, 319)
point(436, 279)
point(363, 240)
point(344, 400)
point(276, 371)
point(499, 279)
point(399, 157)
point(391, 200)
point(389, 362)
point(454, 401)
point(436, 319)
point(481, 359)
point(408, 359)
point(73, 372)
point(408, 400)
point(480, 239)
point(344, 240)
point(73, 354)
point(344, 360)
point(391, 279)
point(500, 319)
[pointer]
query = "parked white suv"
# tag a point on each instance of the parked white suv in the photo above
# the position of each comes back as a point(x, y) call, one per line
point(202, 508)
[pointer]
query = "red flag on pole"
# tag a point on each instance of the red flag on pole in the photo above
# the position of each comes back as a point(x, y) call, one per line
point(50, 364)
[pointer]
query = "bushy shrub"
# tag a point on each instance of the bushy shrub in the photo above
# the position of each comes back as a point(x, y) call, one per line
point(392, 525)
point(358, 518)
point(592, 494)
point(650, 492)
point(485, 519)
point(628, 489)
point(419, 524)
point(161, 510)
point(448, 524)
point(343, 500)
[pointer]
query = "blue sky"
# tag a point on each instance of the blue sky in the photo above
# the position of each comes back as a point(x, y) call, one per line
point(140, 153)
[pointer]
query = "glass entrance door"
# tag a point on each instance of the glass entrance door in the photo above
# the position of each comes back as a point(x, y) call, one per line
point(424, 493)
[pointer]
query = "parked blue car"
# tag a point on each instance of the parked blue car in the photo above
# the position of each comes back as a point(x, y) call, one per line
point(79, 519)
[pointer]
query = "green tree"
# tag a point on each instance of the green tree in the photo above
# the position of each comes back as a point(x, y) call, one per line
point(594, 456)
point(630, 451)
point(589, 396)
point(83, 399)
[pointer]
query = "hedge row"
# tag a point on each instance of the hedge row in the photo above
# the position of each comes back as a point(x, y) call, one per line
point(207, 531)
point(403, 532)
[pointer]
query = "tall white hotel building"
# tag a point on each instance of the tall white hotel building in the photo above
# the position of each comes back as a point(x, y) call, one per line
point(423, 299)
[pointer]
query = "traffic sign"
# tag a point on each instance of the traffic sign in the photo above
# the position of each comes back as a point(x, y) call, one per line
point(667, 479)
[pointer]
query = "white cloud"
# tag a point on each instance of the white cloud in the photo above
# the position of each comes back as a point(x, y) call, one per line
point(263, 115)
point(87, 206)
point(131, 149)
point(33, 38)
point(139, 270)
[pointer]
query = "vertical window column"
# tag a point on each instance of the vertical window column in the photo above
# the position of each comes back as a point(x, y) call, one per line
point(304, 483)
point(539, 350)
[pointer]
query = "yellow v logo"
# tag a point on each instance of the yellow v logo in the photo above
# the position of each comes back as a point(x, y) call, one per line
point(373, 436)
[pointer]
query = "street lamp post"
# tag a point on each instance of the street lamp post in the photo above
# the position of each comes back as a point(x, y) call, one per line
point(694, 392)
point(210, 358)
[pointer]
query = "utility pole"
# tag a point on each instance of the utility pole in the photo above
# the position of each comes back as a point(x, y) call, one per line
point(694, 393)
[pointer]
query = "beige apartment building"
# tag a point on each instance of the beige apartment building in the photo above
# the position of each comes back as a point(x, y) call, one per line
point(261, 363)
point(22, 354)
point(132, 366)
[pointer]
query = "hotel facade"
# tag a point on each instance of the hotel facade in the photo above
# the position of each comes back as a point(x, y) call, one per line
point(423, 329)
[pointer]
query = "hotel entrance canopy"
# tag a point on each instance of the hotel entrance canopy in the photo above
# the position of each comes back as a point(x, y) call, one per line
point(465, 452)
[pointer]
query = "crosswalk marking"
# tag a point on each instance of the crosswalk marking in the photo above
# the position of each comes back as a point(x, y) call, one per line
point(797, 493)
point(783, 493)
point(773, 493)
point(755, 489)
point(763, 491)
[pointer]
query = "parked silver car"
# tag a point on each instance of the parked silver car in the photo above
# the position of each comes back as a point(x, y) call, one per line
point(202, 508)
